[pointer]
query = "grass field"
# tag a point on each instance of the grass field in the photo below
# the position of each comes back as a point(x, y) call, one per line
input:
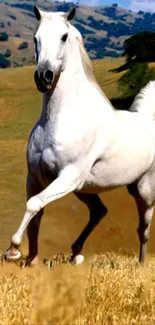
point(114, 290)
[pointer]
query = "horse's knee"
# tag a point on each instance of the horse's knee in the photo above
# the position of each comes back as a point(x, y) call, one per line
point(103, 211)
point(100, 208)
point(34, 205)
point(97, 209)
point(98, 213)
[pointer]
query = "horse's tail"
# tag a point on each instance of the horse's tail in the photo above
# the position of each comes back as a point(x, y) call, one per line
point(144, 102)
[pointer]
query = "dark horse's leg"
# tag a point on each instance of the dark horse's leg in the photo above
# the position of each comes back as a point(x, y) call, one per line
point(97, 212)
point(145, 212)
point(33, 227)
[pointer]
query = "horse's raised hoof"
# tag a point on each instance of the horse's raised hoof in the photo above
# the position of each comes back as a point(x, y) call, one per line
point(77, 260)
point(12, 255)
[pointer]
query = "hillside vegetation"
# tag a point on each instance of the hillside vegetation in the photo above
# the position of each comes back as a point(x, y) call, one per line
point(104, 28)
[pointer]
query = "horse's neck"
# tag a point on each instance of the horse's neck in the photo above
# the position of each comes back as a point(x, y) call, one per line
point(67, 87)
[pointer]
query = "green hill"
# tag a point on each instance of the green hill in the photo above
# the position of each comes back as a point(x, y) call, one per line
point(104, 28)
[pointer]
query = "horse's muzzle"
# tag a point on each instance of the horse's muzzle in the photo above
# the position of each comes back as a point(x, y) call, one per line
point(43, 84)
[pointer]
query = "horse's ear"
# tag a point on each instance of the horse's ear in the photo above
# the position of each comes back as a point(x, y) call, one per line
point(71, 15)
point(38, 13)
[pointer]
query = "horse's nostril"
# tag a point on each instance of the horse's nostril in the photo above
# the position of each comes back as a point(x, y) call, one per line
point(48, 75)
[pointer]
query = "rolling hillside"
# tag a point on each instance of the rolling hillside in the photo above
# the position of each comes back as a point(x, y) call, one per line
point(104, 28)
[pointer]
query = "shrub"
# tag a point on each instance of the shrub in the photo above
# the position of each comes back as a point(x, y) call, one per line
point(83, 30)
point(7, 53)
point(4, 36)
point(4, 63)
point(12, 17)
point(2, 25)
point(23, 45)
point(135, 78)
point(140, 47)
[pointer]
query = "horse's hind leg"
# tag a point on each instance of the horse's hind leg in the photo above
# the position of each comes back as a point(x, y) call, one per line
point(145, 212)
point(97, 212)
point(144, 229)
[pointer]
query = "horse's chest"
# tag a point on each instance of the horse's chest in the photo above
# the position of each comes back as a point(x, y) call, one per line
point(41, 158)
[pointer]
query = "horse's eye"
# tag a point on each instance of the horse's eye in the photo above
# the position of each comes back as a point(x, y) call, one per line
point(64, 37)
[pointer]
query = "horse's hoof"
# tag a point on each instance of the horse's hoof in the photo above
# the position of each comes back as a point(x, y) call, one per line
point(77, 260)
point(15, 256)
point(33, 262)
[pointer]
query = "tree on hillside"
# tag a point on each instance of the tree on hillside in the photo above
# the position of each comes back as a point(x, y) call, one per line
point(138, 48)
point(135, 78)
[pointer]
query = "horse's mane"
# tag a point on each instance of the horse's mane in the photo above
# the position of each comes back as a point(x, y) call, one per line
point(145, 100)
point(87, 64)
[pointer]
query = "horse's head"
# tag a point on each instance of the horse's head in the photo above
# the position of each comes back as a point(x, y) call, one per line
point(50, 42)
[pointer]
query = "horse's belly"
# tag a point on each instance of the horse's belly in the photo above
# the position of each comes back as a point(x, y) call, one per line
point(118, 171)
point(103, 178)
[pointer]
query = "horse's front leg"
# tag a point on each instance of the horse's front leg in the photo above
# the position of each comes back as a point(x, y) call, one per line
point(67, 182)
point(33, 227)
point(32, 188)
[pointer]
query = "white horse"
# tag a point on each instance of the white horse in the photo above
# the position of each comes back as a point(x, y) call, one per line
point(80, 143)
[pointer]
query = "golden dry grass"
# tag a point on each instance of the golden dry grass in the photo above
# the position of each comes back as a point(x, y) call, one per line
point(118, 291)
point(111, 289)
